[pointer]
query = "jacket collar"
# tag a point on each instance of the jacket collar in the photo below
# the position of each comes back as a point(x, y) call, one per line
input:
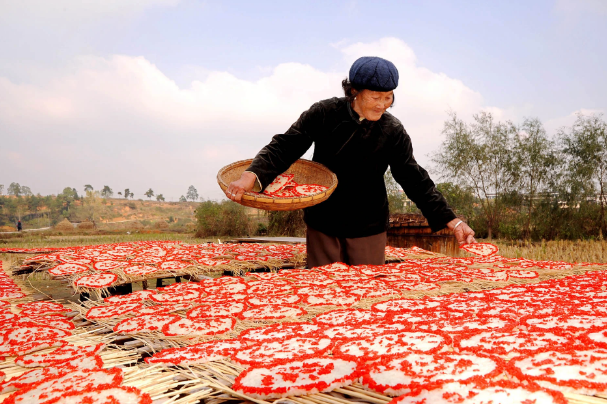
point(353, 114)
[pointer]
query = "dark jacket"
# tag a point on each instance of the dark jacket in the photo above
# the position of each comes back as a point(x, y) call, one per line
point(359, 153)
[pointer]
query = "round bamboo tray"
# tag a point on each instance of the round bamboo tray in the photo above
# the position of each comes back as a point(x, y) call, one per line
point(305, 171)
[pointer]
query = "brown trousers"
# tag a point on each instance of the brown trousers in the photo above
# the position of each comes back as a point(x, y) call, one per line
point(323, 249)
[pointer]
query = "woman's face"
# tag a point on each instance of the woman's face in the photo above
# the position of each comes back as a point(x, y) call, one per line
point(372, 104)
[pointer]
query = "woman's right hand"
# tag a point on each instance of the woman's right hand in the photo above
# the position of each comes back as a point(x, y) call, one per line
point(237, 188)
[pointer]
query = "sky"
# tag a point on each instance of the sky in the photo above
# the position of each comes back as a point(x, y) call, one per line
point(161, 94)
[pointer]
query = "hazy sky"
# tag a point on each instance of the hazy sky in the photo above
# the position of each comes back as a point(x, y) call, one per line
point(163, 93)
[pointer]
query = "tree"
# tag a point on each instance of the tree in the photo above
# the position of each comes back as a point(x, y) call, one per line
point(396, 196)
point(149, 193)
point(160, 198)
point(119, 193)
point(182, 199)
point(26, 191)
point(477, 156)
point(192, 194)
point(107, 192)
point(1, 188)
point(535, 159)
point(128, 194)
point(585, 148)
point(14, 189)
point(88, 188)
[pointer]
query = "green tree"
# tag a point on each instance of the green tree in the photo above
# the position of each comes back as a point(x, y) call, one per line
point(128, 194)
point(182, 199)
point(14, 189)
point(396, 196)
point(26, 191)
point(192, 194)
point(1, 188)
point(149, 193)
point(584, 146)
point(107, 192)
point(477, 156)
point(88, 188)
point(535, 158)
point(222, 219)
point(67, 197)
point(160, 198)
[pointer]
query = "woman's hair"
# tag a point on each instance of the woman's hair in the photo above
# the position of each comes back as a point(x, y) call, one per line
point(350, 91)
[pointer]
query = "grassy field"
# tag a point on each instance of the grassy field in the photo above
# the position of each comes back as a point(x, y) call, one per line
point(570, 251)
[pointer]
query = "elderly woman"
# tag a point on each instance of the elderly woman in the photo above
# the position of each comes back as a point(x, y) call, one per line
point(357, 139)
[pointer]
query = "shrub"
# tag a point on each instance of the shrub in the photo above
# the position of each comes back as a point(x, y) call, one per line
point(224, 218)
point(288, 223)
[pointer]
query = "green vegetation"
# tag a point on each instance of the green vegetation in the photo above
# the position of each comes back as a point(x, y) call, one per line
point(513, 181)
point(223, 219)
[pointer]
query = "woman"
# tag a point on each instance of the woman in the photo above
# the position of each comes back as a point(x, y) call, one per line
point(358, 140)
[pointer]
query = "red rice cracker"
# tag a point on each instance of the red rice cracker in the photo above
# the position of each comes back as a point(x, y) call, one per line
point(511, 343)
point(502, 392)
point(401, 375)
point(284, 349)
point(227, 308)
point(583, 372)
point(111, 311)
point(102, 280)
point(53, 389)
point(60, 355)
point(196, 354)
point(279, 331)
point(308, 376)
point(114, 395)
point(68, 269)
point(197, 327)
point(147, 323)
point(481, 249)
point(272, 313)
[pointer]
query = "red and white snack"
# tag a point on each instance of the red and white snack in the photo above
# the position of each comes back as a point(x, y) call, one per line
point(211, 326)
point(597, 338)
point(285, 349)
point(509, 344)
point(308, 376)
point(582, 372)
point(42, 308)
point(177, 296)
point(269, 288)
point(140, 270)
point(465, 325)
point(361, 331)
point(344, 299)
point(262, 300)
point(103, 280)
point(111, 311)
point(279, 183)
point(114, 395)
point(30, 337)
point(181, 287)
point(347, 316)
point(51, 390)
point(147, 323)
point(60, 355)
point(105, 265)
point(403, 374)
point(91, 362)
point(481, 249)
point(502, 392)
point(565, 322)
point(412, 285)
point(138, 296)
point(272, 313)
point(197, 354)
point(223, 309)
point(389, 345)
point(162, 309)
point(405, 305)
point(68, 269)
point(174, 265)
point(226, 288)
point(279, 331)
point(310, 189)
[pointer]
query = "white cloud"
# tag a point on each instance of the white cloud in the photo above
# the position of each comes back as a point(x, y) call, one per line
point(75, 10)
point(554, 125)
point(120, 121)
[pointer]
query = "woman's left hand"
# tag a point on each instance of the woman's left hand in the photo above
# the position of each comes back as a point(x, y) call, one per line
point(463, 233)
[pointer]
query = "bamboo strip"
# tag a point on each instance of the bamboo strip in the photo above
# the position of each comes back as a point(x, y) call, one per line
point(583, 399)
point(359, 395)
point(367, 392)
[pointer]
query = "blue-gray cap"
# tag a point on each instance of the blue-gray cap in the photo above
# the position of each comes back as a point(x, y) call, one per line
point(374, 73)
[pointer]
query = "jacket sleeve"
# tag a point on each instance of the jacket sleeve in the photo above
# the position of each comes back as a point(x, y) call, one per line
point(286, 148)
point(417, 184)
